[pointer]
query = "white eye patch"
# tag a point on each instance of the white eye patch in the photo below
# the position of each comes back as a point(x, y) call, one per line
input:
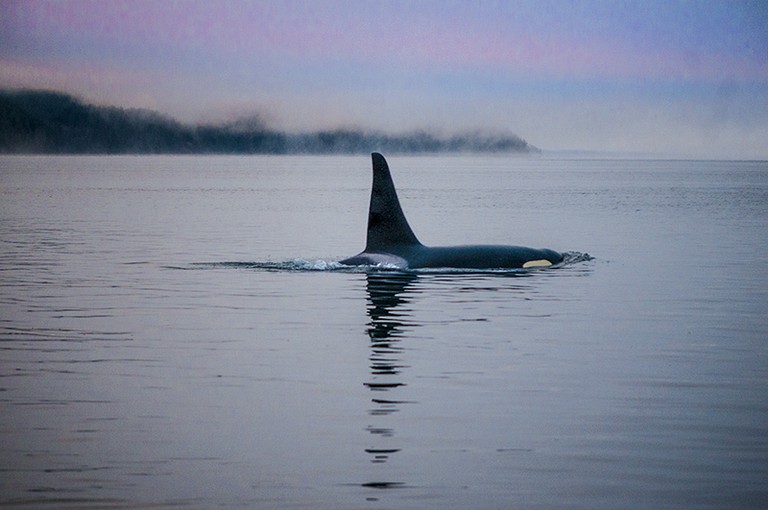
point(537, 263)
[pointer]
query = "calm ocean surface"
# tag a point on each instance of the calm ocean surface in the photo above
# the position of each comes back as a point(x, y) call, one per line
point(173, 335)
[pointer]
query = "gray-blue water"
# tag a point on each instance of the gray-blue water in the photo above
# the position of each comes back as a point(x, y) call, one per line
point(171, 336)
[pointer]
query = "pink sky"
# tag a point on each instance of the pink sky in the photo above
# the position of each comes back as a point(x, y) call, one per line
point(640, 76)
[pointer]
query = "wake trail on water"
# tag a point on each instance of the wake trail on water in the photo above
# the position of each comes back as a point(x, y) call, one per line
point(321, 265)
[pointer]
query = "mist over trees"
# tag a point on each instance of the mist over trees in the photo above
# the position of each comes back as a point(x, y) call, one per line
point(43, 122)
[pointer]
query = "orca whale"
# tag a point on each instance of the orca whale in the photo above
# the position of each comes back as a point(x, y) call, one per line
point(391, 241)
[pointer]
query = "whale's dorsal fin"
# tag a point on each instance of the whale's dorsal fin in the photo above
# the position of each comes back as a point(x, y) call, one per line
point(387, 226)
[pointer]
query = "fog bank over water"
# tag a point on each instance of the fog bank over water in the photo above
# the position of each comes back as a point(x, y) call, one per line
point(43, 122)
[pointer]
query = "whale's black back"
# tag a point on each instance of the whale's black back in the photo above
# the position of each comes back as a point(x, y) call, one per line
point(387, 227)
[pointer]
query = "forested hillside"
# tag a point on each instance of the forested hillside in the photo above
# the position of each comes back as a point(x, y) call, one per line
point(41, 122)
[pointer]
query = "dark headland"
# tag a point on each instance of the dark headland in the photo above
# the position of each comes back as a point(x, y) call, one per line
point(45, 122)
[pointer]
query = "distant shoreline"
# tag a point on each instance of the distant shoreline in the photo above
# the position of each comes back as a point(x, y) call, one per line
point(46, 122)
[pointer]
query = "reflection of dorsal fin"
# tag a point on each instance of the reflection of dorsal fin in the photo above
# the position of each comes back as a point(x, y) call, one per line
point(387, 226)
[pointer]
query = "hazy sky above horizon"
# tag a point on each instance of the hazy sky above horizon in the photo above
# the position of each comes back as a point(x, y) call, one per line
point(669, 77)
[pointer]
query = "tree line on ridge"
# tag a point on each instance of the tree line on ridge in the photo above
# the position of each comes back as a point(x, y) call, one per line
point(45, 122)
